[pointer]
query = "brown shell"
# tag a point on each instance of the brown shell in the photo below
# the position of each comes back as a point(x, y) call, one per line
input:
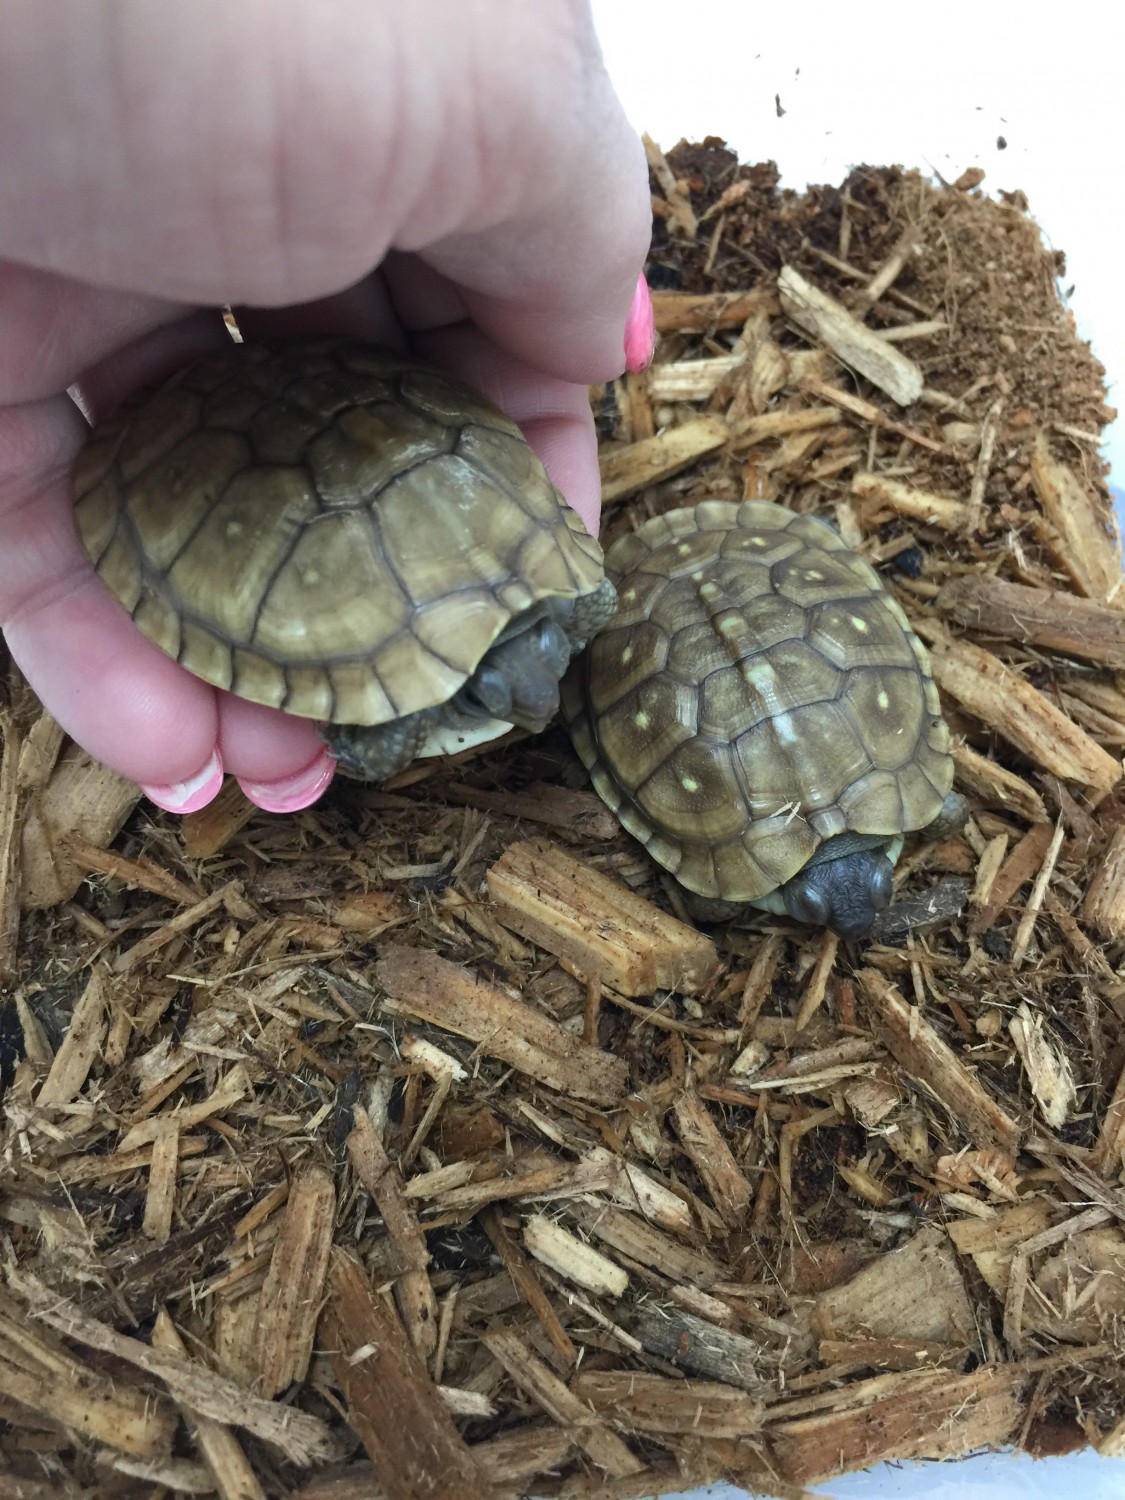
point(325, 528)
point(758, 692)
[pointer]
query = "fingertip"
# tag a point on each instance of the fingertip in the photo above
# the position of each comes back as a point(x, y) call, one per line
point(640, 330)
point(292, 793)
point(193, 792)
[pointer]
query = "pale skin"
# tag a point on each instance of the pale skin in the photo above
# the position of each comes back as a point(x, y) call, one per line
point(451, 176)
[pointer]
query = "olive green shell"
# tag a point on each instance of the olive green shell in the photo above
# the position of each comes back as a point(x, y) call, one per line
point(757, 693)
point(325, 527)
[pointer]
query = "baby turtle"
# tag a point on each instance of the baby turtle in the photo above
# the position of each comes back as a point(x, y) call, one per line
point(350, 536)
point(760, 714)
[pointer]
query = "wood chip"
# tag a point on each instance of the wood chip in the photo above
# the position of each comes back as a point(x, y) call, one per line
point(639, 1401)
point(207, 832)
point(1017, 869)
point(571, 1258)
point(653, 459)
point(596, 926)
point(414, 1295)
point(1104, 905)
point(160, 1200)
point(522, 1272)
point(393, 1405)
point(81, 1044)
point(866, 411)
point(1091, 551)
point(729, 1189)
point(43, 1376)
point(915, 1292)
point(829, 322)
point(577, 812)
point(294, 1287)
point(1008, 703)
point(901, 499)
point(981, 1410)
point(644, 1242)
point(996, 785)
point(690, 379)
point(700, 1347)
point(424, 985)
point(302, 1437)
point(233, 1476)
point(1037, 617)
point(675, 199)
point(1046, 1067)
point(677, 311)
point(82, 804)
point(913, 1042)
point(533, 1377)
point(1035, 899)
point(782, 423)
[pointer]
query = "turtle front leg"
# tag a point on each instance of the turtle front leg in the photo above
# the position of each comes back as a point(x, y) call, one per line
point(372, 752)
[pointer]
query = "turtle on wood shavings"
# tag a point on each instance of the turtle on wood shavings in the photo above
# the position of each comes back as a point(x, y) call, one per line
point(350, 536)
point(761, 715)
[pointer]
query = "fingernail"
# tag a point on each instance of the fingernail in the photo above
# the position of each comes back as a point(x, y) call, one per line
point(190, 795)
point(292, 793)
point(640, 330)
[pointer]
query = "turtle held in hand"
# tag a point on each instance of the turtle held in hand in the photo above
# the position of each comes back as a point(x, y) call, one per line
point(761, 716)
point(350, 536)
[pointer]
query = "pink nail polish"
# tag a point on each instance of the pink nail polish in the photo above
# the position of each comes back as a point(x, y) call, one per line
point(640, 330)
point(190, 795)
point(292, 793)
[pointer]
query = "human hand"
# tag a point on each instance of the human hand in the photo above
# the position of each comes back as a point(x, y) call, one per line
point(452, 176)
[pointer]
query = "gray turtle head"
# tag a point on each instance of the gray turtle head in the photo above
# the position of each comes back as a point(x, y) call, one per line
point(845, 893)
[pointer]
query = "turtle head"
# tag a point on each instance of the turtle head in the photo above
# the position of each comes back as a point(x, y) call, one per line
point(518, 679)
point(844, 892)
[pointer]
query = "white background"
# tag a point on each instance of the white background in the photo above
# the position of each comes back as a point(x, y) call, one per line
point(931, 86)
point(921, 85)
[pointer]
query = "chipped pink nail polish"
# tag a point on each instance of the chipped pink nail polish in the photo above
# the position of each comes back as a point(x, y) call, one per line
point(292, 793)
point(640, 330)
point(190, 795)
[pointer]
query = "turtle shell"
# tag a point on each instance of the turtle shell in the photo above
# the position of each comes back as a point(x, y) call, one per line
point(326, 528)
point(758, 692)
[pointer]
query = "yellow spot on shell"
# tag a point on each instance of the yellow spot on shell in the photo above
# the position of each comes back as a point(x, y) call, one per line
point(641, 720)
point(628, 596)
point(858, 624)
point(762, 675)
point(626, 656)
point(684, 548)
point(689, 784)
point(783, 728)
point(883, 701)
point(814, 576)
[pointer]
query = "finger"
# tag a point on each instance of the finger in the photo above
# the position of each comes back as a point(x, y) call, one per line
point(492, 140)
point(54, 327)
point(553, 414)
point(410, 305)
point(280, 760)
point(119, 696)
